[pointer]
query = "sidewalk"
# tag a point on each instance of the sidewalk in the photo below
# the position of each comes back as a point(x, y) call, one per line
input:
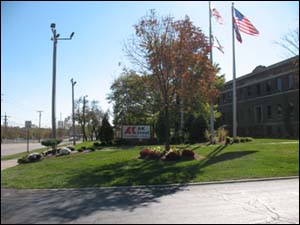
point(8, 163)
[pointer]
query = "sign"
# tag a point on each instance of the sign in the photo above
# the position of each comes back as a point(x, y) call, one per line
point(60, 124)
point(135, 132)
point(27, 124)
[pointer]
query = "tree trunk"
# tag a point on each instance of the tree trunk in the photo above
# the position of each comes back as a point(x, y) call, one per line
point(167, 129)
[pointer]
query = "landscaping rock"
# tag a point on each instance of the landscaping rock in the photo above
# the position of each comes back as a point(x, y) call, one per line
point(34, 157)
point(65, 151)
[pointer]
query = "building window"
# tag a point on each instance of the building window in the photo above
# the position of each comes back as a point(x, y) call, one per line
point(224, 98)
point(249, 91)
point(268, 86)
point(258, 114)
point(279, 110)
point(279, 83)
point(290, 81)
point(230, 95)
point(269, 111)
point(240, 93)
point(291, 108)
point(258, 89)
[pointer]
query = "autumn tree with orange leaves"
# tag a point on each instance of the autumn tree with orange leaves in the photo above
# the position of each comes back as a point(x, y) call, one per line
point(176, 54)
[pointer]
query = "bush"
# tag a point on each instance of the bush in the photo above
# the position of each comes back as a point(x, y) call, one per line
point(51, 142)
point(228, 140)
point(154, 155)
point(221, 134)
point(96, 144)
point(249, 139)
point(92, 149)
point(207, 135)
point(243, 139)
point(22, 160)
point(172, 155)
point(187, 154)
point(33, 157)
point(236, 140)
point(80, 150)
point(48, 152)
point(145, 152)
point(150, 154)
point(106, 133)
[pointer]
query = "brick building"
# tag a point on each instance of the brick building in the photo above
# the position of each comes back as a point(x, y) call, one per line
point(267, 101)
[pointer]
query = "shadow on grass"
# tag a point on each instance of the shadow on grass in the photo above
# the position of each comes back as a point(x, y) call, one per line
point(65, 206)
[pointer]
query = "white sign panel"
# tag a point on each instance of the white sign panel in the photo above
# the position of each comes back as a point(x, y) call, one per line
point(27, 124)
point(136, 132)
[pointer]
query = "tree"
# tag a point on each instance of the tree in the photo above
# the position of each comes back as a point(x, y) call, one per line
point(89, 117)
point(290, 42)
point(133, 98)
point(81, 114)
point(94, 118)
point(106, 131)
point(175, 53)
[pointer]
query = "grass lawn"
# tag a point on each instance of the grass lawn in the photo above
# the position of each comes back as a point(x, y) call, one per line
point(121, 166)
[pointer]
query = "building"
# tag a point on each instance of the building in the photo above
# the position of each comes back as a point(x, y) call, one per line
point(267, 101)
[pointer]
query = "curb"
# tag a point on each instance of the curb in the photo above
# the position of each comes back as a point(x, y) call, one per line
point(162, 185)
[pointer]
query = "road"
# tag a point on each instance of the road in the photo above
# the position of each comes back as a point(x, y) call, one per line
point(274, 201)
point(13, 148)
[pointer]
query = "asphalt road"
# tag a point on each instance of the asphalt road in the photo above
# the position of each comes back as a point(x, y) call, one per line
point(247, 202)
point(13, 148)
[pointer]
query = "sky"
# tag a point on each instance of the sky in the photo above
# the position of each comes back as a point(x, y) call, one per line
point(95, 57)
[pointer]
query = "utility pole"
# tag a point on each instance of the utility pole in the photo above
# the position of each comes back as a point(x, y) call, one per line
point(83, 114)
point(5, 125)
point(40, 115)
point(73, 118)
point(55, 39)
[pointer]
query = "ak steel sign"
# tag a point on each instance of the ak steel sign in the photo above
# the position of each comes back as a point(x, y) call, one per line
point(135, 132)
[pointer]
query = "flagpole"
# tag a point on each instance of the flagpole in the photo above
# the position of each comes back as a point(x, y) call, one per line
point(211, 100)
point(234, 131)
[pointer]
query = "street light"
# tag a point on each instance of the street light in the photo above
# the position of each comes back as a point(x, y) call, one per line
point(73, 119)
point(55, 38)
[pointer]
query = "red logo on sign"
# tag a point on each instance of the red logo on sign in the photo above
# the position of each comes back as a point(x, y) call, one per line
point(130, 130)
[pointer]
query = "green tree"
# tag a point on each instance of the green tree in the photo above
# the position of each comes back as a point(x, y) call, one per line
point(106, 133)
point(133, 99)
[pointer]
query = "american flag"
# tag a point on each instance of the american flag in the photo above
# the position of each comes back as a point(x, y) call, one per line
point(237, 33)
point(243, 24)
point(217, 15)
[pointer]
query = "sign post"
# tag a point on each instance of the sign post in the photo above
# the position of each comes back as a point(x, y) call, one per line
point(28, 126)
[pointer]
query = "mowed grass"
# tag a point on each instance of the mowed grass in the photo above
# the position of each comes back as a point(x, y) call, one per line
point(121, 167)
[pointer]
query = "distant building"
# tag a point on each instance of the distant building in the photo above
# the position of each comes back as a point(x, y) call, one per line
point(267, 101)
